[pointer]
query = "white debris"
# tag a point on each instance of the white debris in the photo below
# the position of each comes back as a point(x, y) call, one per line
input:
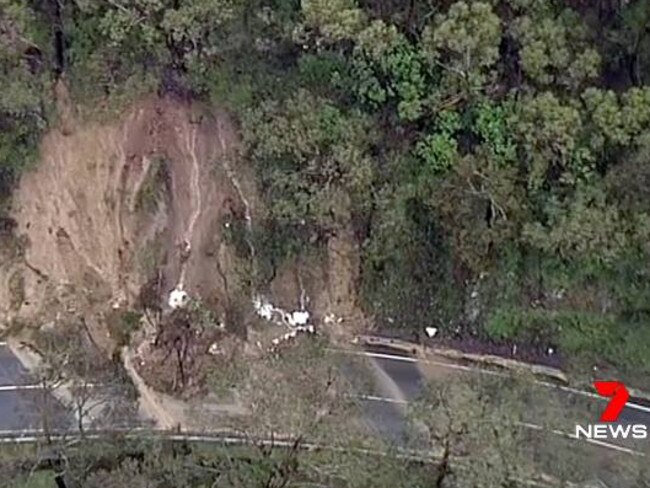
point(263, 308)
point(267, 311)
point(550, 351)
point(298, 318)
point(118, 301)
point(178, 298)
point(48, 326)
point(332, 319)
point(292, 334)
point(214, 349)
point(431, 331)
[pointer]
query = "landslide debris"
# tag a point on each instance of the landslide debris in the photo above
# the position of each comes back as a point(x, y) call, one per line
point(117, 215)
point(111, 206)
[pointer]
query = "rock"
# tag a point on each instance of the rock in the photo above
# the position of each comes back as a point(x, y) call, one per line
point(431, 331)
point(178, 298)
point(263, 308)
point(298, 318)
point(48, 326)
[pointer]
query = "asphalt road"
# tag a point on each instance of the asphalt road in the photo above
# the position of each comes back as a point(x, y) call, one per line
point(385, 410)
point(385, 395)
point(21, 401)
point(12, 372)
point(398, 380)
point(24, 406)
point(406, 375)
point(410, 375)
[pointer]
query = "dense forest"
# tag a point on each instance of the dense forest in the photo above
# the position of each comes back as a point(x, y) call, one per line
point(491, 155)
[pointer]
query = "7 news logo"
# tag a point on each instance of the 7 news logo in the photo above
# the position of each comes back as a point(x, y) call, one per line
point(607, 429)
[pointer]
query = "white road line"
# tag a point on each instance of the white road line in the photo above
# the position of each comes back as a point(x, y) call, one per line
point(595, 442)
point(575, 391)
point(381, 399)
point(531, 426)
point(405, 359)
point(461, 367)
point(39, 386)
point(36, 432)
point(20, 387)
point(411, 454)
point(412, 360)
point(21, 432)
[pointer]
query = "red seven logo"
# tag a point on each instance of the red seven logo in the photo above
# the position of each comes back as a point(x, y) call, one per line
point(619, 394)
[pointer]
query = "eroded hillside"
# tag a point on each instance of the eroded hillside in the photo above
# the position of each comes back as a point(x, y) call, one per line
point(117, 215)
point(110, 203)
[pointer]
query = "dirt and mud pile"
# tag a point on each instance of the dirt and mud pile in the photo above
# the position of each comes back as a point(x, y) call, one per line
point(112, 206)
point(144, 203)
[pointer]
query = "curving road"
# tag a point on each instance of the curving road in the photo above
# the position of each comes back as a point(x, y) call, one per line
point(27, 407)
point(410, 374)
point(23, 403)
point(397, 380)
point(384, 409)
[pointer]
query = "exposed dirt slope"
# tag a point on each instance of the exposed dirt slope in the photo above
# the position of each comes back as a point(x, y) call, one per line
point(96, 223)
point(142, 203)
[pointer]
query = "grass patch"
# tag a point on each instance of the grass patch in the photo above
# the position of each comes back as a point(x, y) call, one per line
point(580, 336)
point(16, 285)
point(38, 479)
point(122, 324)
point(155, 186)
point(150, 256)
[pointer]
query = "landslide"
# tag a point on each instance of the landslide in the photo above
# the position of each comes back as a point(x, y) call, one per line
point(112, 206)
point(115, 211)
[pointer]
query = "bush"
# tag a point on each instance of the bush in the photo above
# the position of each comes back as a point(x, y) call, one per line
point(578, 335)
point(122, 325)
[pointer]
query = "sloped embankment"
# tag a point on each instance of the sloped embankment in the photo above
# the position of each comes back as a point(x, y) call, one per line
point(143, 204)
point(111, 206)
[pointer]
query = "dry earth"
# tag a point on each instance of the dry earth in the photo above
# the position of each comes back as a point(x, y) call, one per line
point(111, 207)
point(89, 242)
